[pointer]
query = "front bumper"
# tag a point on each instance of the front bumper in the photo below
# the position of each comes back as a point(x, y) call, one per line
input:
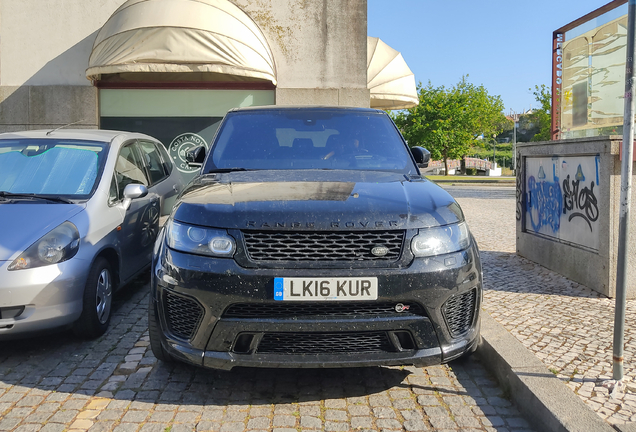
point(228, 360)
point(207, 287)
point(42, 298)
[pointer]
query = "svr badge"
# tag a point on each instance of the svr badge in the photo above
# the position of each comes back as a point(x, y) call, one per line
point(180, 145)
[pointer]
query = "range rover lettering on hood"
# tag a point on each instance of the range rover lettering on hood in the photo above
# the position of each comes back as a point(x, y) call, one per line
point(350, 224)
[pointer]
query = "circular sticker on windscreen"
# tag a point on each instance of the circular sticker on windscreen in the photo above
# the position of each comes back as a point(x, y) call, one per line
point(180, 145)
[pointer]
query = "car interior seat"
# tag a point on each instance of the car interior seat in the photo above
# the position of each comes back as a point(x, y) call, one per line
point(302, 148)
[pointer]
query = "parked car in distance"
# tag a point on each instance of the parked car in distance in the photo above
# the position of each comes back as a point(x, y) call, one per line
point(79, 214)
point(310, 239)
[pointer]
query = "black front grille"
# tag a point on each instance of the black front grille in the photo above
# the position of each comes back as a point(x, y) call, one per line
point(327, 246)
point(459, 311)
point(329, 308)
point(183, 314)
point(324, 343)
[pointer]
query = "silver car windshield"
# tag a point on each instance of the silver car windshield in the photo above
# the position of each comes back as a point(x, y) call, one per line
point(53, 167)
point(309, 139)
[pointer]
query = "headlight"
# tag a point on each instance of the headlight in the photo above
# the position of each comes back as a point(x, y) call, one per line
point(441, 240)
point(198, 240)
point(60, 244)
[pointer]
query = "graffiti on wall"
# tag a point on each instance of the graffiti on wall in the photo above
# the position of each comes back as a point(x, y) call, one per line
point(562, 198)
point(580, 201)
point(545, 201)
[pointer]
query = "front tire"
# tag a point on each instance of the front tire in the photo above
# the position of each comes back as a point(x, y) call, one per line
point(97, 301)
point(155, 335)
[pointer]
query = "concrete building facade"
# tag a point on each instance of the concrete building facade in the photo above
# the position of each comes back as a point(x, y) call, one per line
point(133, 65)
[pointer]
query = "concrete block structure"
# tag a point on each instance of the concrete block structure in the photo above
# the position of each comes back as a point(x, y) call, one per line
point(568, 194)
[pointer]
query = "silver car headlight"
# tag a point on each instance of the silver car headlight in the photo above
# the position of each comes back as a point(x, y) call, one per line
point(59, 245)
point(199, 240)
point(441, 240)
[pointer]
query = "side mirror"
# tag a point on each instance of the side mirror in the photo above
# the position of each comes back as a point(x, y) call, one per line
point(133, 191)
point(421, 155)
point(195, 156)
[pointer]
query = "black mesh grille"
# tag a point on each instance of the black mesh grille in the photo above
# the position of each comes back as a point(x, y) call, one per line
point(329, 308)
point(322, 246)
point(459, 311)
point(324, 343)
point(183, 314)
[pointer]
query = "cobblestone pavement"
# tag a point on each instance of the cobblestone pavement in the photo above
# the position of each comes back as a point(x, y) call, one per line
point(59, 383)
point(566, 325)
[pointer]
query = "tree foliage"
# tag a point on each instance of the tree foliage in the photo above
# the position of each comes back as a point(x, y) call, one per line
point(542, 117)
point(448, 121)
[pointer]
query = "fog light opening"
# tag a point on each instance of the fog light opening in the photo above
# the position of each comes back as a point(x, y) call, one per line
point(11, 312)
point(405, 340)
point(243, 343)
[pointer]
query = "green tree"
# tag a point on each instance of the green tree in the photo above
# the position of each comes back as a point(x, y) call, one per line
point(542, 117)
point(448, 121)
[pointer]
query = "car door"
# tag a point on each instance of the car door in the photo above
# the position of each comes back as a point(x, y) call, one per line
point(163, 181)
point(141, 219)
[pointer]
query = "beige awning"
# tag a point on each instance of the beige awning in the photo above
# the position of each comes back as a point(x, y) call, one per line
point(391, 82)
point(178, 36)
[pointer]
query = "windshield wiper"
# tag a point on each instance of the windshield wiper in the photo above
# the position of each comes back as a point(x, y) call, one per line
point(227, 170)
point(5, 194)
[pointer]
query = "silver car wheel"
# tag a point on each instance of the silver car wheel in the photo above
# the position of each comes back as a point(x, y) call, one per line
point(103, 296)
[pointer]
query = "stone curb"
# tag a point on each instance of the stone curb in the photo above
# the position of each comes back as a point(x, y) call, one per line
point(546, 402)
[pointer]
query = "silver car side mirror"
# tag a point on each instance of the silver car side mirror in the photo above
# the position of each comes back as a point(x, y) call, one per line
point(131, 192)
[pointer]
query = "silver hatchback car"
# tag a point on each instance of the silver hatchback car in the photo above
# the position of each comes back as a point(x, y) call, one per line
point(79, 213)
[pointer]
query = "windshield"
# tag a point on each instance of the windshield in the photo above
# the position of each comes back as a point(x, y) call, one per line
point(50, 166)
point(309, 139)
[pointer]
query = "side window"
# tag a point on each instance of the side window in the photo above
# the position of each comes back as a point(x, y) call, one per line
point(113, 194)
point(129, 169)
point(153, 162)
point(167, 164)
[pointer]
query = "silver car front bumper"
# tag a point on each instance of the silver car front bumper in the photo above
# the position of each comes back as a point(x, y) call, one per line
point(51, 296)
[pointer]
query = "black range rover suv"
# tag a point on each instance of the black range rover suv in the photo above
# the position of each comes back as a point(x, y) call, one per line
point(310, 239)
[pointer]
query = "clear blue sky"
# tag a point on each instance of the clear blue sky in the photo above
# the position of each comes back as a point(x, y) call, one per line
point(504, 45)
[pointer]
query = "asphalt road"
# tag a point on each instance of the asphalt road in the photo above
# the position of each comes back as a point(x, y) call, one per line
point(480, 192)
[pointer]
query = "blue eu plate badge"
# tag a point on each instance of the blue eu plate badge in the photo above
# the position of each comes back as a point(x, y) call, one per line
point(278, 288)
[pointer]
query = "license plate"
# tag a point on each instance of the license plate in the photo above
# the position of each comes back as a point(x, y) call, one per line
point(321, 289)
